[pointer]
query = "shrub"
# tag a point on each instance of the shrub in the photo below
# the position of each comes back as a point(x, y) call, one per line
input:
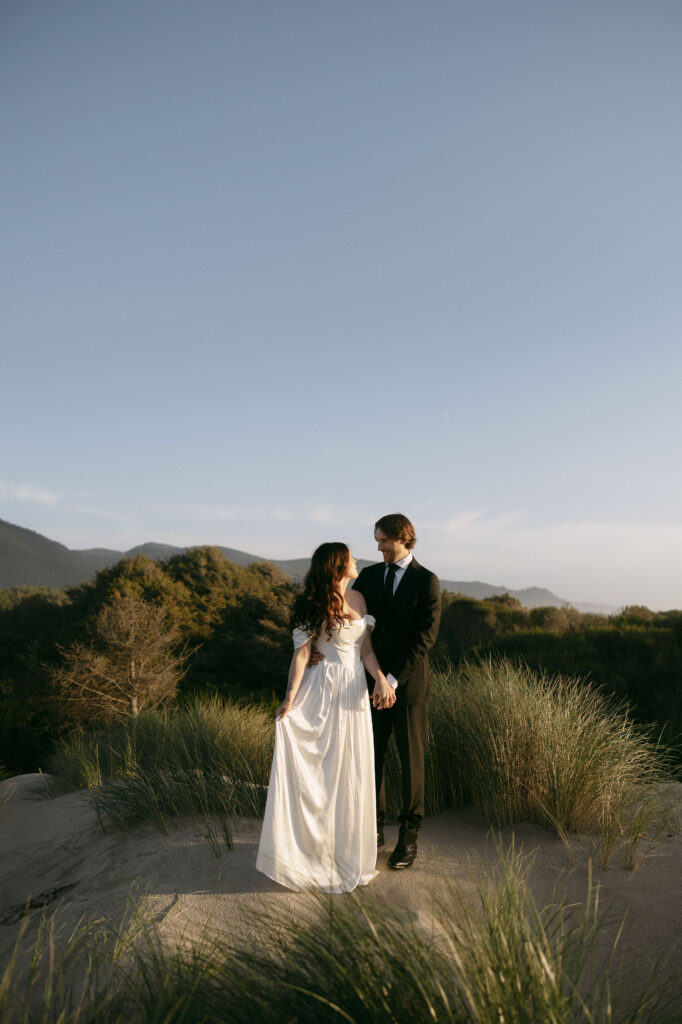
point(132, 663)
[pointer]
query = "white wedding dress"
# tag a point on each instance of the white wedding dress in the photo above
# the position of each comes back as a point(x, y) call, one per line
point(319, 830)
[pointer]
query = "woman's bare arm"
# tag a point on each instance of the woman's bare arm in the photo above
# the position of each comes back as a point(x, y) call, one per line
point(299, 663)
point(383, 694)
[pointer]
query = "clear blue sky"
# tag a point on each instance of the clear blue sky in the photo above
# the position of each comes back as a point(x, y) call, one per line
point(272, 269)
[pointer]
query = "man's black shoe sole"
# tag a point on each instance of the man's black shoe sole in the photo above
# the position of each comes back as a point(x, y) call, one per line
point(401, 864)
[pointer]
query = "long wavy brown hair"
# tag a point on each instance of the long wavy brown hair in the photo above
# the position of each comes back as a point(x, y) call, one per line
point(319, 604)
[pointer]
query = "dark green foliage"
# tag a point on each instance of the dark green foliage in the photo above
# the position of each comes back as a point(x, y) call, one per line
point(31, 623)
point(636, 655)
point(233, 618)
point(237, 619)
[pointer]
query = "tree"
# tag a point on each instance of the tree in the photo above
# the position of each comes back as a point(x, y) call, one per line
point(133, 662)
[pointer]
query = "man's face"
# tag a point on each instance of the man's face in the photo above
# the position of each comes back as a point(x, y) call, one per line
point(392, 550)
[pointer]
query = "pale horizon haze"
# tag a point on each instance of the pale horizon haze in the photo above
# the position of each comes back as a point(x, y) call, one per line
point(272, 269)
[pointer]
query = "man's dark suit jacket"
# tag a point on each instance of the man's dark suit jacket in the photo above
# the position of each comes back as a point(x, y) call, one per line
point(405, 632)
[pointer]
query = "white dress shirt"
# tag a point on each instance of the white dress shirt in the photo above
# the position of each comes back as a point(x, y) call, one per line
point(400, 568)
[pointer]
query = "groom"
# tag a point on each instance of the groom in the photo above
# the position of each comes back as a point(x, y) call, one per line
point(404, 598)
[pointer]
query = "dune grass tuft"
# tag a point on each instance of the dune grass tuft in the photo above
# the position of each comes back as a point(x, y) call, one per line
point(208, 760)
point(205, 733)
point(485, 959)
point(528, 747)
point(521, 746)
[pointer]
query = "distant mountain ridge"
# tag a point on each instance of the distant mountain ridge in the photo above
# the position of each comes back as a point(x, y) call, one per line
point(28, 559)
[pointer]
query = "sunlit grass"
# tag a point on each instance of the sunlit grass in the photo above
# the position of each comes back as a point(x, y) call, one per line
point(520, 746)
point(489, 958)
point(207, 733)
point(208, 760)
point(546, 749)
point(63, 975)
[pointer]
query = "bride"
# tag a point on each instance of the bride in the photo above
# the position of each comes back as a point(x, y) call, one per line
point(319, 830)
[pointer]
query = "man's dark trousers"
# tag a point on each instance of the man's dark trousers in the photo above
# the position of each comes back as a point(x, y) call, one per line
point(406, 629)
point(407, 722)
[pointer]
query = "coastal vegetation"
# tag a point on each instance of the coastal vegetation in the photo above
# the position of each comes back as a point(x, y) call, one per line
point(187, 659)
point(153, 687)
point(355, 959)
point(635, 655)
point(223, 629)
point(224, 626)
point(519, 746)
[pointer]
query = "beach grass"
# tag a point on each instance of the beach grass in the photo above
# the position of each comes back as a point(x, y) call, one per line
point(208, 760)
point(205, 733)
point(522, 746)
point(519, 745)
point(483, 958)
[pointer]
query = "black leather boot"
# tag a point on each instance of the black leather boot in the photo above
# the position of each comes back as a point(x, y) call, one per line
point(406, 850)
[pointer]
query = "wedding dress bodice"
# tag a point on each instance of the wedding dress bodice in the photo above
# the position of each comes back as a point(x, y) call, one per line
point(345, 643)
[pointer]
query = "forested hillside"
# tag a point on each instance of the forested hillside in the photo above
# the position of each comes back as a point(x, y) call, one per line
point(30, 559)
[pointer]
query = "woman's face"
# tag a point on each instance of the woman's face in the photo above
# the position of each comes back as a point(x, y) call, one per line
point(351, 572)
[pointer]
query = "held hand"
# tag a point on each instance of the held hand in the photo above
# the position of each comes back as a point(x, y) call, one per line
point(283, 709)
point(315, 657)
point(383, 694)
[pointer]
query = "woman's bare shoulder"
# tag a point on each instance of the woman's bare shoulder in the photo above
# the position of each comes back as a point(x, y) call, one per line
point(357, 601)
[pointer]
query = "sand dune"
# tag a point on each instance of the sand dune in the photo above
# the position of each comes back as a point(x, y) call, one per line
point(52, 852)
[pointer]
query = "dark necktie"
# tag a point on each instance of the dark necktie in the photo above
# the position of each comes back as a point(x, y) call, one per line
point(388, 583)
